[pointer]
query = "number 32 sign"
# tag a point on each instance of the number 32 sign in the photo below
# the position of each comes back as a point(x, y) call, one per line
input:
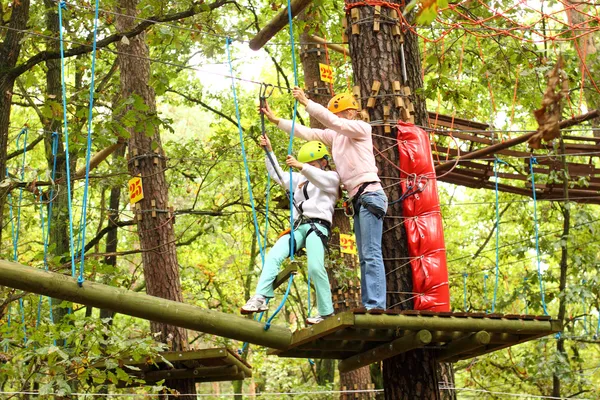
point(136, 191)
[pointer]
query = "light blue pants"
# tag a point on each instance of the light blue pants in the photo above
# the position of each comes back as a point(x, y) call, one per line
point(368, 230)
point(315, 254)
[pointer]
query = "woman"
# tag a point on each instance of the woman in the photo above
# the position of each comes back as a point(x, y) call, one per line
point(352, 149)
point(315, 194)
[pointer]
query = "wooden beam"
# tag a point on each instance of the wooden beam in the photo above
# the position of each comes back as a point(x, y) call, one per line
point(283, 276)
point(464, 345)
point(449, 324)
point(331, 46)
point(142, 306)
point(277, 23)
point(402, 345)
point(99, 157)
point(515, 141)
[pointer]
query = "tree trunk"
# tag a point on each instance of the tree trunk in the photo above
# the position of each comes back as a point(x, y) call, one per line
point(320, 92)
point(9, 55)
point(157, 238)
point(585, 47)
point(377, 56)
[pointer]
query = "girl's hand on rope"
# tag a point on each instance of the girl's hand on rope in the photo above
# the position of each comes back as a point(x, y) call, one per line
point(300, 96)
point(269, 113)
point(266, 143)
point(292, 162)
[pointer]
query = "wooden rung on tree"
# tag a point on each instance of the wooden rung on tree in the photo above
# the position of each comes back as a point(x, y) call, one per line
point(396, 27)
point(377, 19)
point(374, 91)
point(398, 100)
point(355, 15)
point(386, 116)
point(356, 94)
point(344, 30)
point(364, 115)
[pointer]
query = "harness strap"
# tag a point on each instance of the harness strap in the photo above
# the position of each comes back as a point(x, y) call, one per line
point(357, 200)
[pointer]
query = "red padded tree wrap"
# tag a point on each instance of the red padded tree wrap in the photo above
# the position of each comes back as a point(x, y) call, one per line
point(423, 223)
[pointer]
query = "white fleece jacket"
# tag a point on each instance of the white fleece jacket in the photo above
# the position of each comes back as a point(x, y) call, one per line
point(315, 190)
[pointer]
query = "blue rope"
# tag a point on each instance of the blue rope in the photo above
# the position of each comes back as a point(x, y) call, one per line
point(291, 143)
point(533, 160)
point(62, 5)
point(24, 133)
point(88, 153)
point(285, 296)
point(485, 278)
point(496, 162)
point(525, 295)
point(241, 134)
point(597, 335)
point(309, 307)
point(465, 275)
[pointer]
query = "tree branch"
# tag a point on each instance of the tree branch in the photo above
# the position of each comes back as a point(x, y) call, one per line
point(203, 104)
point(87, 48)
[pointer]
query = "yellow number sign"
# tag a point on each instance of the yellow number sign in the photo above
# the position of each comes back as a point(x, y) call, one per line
point(326, 73)
point(348, 244)
point(136, 191)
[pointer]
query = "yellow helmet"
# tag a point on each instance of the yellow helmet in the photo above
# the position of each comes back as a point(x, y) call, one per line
point(342, 102)
point(312, 151)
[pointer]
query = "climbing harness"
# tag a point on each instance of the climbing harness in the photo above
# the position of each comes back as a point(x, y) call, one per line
point(358, 201)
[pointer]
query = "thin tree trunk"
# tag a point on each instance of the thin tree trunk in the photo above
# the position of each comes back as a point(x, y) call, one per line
point(9, 55)
point(157, 238)
point(377, 56)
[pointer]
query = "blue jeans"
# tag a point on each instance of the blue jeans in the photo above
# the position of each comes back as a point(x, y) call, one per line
point(369, 230)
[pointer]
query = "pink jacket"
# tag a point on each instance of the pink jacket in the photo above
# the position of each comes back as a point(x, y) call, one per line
point(350, 142)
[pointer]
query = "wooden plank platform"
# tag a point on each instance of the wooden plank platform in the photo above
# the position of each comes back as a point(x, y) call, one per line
point(360, 338)
point(205, 365)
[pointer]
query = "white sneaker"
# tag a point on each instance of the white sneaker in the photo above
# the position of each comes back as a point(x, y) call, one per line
point(256, 303)
point(317, 319)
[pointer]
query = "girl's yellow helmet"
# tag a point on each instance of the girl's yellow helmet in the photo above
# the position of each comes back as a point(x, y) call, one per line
point(342, 102)
point(312, 151)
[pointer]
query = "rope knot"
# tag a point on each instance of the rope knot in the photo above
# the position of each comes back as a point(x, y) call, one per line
point(533, 160)
point(267, 326)
point(80, 281)
point(464, 274)
point(62, 4)
point(228, 41)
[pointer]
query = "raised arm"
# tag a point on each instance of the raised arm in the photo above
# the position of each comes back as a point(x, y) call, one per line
point(327, 181)
point(350, 128)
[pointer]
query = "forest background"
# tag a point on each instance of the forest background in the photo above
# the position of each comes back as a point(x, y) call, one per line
point(494, 73)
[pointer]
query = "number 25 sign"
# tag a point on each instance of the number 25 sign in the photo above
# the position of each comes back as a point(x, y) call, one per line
point(136, 191)
point(326, 73)
point(348, 244)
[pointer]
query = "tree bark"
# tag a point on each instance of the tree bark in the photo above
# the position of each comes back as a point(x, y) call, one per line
point(319, 91)
point(376, 56)
point(9, 55)
point(157, 238)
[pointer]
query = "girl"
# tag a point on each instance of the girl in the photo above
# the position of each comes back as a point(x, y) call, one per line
point(352, 148)
point(315, 194)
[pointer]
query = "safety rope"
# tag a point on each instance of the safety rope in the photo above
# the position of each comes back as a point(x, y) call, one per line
point(290, 149)
point(485, 278)
point(228, 42)
point(465, 275)
point(496, 162)
point(46, 229)
point(88, 155)
point(62, 5)
point(16, 228)
point(533, 160)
